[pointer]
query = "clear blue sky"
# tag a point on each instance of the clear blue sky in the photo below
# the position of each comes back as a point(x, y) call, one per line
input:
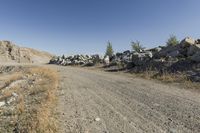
point(85, 26)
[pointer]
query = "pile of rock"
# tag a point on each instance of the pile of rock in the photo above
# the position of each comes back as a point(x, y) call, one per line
point(85, 60)
point(136, 58)
point(126, 56)
point(184, 57)
point(188, 48)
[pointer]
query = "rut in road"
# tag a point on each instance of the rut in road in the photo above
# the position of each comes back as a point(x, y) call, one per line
point(123, 104)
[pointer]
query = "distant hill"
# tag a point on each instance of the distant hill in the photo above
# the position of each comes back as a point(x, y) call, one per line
point(10, 52)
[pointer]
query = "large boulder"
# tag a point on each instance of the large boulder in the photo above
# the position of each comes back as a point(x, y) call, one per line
point(141, 58)
point(155, 50)
point(197, 41)
point(172, 51)
point(106, 60)
point(125, 57)
point(193, 49)
point(187, 47)
point(196, 57)
point(187, 42)
point(195, 76)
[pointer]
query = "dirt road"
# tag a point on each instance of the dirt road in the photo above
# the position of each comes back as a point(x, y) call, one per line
point(99, 102)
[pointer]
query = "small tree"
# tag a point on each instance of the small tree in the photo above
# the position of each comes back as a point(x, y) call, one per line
point(109, 49)
point(136, 46)
point(172, 41)
point(63, 56)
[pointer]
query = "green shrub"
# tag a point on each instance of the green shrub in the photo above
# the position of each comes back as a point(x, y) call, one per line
point(136, 46)
point(172, 41)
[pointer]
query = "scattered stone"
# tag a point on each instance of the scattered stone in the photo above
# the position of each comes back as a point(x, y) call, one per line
point(171, 130)
point(14, 94)
point(10, 100)
point(97, 119)
point(2, 103)
point(156, 104)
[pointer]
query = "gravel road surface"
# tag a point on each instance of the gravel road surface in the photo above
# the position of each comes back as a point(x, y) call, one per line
point(92, 101)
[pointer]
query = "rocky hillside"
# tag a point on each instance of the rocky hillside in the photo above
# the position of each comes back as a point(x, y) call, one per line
point(12, 53)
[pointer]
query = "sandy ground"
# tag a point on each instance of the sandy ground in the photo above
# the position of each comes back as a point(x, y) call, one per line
point(100, 102)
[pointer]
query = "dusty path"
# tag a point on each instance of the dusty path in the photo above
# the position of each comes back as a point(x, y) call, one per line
point(123, 104)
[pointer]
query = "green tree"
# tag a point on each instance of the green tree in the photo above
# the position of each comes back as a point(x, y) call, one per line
point(109, 49)
point(172, 41)
point(136, 46)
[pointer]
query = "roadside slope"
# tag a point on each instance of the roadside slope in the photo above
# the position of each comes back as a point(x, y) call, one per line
point(123, 104)
point(11, 53)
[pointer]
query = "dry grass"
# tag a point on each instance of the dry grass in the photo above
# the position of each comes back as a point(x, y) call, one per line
point(14, 77)
point(35, 103)
point(45, 90)
point(191, 85)
point(5, 96)
point(8, 93)
point(171, 77)
point(11, 78)
point(20, 105)
point(167, 77)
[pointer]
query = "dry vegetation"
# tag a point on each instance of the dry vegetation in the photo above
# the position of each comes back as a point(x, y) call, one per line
point(31, 110)
point(167, 77)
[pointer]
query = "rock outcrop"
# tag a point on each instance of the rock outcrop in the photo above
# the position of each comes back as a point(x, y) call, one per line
point(12, 53)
